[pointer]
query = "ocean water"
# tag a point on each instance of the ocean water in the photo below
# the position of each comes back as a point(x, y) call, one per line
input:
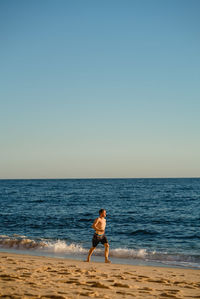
point(149, 221)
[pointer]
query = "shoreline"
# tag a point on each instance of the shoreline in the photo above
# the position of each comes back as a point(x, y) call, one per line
point(31, 276)
point(100, 258)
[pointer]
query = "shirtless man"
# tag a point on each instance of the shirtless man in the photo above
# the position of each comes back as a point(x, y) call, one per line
point(99, 226)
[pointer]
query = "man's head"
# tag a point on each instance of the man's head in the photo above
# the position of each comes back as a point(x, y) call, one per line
point(102, 213)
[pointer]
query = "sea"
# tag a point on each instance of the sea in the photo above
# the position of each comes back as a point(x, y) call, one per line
point(149, 221)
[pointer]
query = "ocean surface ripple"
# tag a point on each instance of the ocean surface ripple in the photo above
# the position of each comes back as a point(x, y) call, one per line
point(149, 220)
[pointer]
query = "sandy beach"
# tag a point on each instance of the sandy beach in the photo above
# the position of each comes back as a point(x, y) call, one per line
point(25, 276)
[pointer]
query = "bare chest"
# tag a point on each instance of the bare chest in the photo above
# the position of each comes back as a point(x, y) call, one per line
point(102, 223)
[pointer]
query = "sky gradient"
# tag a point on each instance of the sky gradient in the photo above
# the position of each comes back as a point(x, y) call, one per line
point(93, 89)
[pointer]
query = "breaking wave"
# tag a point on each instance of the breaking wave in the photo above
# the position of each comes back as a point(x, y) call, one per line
point(61, 247)
point(24, 243)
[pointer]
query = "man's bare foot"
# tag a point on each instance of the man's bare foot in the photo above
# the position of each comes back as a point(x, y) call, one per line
point(108, 261)
point(87, 261)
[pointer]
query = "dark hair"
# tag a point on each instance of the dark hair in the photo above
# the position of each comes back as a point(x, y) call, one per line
point(101, 211)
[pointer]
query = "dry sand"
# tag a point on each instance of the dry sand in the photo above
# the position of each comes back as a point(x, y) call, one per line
point(23, 276)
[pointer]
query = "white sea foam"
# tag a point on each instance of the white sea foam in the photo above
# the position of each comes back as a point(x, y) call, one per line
point(128, 253)
point(57, 246)
point(61, 247)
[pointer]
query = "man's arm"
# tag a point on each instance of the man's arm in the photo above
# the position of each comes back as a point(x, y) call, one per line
point(95, 223)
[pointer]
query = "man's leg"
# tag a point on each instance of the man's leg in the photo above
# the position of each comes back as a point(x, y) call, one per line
point(90, 253)
point(106, 253)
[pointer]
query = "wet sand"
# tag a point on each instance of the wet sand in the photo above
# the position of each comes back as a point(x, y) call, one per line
point(24, 276)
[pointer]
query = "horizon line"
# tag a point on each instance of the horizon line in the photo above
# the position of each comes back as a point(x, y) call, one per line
point(101, 178)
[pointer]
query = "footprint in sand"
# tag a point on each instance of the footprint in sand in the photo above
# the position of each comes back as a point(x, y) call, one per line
point(72, 280)
point(86, 288)
point(189, 287)
point(142, 276)
point(125, 293)
point(7, 277)
point(91, 276)
point(168, 295)
point(144, 292)
point(147, 289)
point(10, 260)
point(80, 283)
point(64, 273)
point(92, 270)
point(158, 281)
point(21, 268)
point(96, 284)
point(32, 284)
point(26, 274)
point(104, 275)
point(120, 277)
point(111, 280)
point(179, 282)
point(52, 271)
point(29, 294)
point(172, 291)
point(83, 271)
point(121, 285)
point(61, 292)
point(89, 294)
point(127, 273)
point(72, 266)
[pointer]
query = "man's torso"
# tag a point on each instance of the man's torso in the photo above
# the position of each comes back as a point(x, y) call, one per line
point(101, 225)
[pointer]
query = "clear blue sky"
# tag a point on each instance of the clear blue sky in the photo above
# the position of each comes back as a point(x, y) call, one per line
point(99, 88)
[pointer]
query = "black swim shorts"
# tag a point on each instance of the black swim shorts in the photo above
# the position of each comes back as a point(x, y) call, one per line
point(96, 239)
